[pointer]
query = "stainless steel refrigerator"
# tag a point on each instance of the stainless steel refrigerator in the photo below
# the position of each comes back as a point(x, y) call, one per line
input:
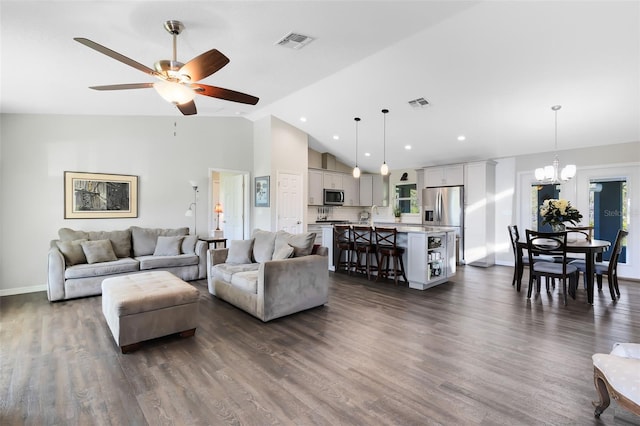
point(444, 206)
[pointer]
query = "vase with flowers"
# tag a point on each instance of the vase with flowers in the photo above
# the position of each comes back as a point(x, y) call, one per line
point(556, 212)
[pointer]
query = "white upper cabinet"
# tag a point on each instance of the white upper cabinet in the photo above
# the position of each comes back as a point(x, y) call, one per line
point(452, 174)
point(315, 187)
point(366, 190)
point(351, 190)
point(333, 180)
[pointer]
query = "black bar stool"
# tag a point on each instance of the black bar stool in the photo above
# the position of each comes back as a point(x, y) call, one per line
point(365, 249)
point(387, 248)
point(343, 240)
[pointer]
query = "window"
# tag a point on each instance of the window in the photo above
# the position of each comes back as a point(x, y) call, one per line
point(608, 211)
point(407, 198)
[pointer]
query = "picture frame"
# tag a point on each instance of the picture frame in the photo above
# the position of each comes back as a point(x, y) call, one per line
point(100, 195)
point(262, 191)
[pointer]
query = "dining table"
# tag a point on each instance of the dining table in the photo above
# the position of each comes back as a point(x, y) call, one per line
point(592, 250)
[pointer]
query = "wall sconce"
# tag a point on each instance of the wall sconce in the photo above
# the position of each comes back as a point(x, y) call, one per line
point(192, 211)
point(218, 210)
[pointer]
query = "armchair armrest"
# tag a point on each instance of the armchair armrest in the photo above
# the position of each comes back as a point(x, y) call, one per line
point(214, 257)
point(292, 285)
point(201, 252)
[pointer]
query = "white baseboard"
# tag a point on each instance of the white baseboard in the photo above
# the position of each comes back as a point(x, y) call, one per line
point(22, 290)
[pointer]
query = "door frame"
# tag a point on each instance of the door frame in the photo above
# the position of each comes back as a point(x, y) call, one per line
point(246, 197)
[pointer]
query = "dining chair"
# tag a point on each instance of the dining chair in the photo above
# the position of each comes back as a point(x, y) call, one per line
point(583, 232)
point(550, 244)
point(610, 269)
point(387, 249)
point(343, 241)
point(365, 249)
point(520, 260)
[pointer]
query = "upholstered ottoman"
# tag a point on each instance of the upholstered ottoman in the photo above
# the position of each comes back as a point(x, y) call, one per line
point(144, 306)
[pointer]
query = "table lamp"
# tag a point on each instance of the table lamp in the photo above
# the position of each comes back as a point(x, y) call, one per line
point(218, 210)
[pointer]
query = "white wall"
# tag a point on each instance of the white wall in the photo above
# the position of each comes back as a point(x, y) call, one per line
point(261, 216)
point(37, 149)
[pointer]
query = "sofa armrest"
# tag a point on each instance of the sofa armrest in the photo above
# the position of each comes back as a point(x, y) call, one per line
point(292, 285)
point(55, 275)
point(214, 257)
point(201, 252)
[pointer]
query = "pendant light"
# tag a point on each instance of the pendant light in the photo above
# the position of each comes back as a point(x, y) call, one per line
point(552, 173)
point(356, 169)
point(384, 169)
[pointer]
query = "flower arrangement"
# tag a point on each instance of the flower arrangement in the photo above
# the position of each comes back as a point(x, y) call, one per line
point(555, 212)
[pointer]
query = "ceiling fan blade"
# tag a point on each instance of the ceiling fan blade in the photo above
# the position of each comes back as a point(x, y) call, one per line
point(123, 86)
point(188, 108)
point(226, 94)
point(117, 56)
point(204, 65)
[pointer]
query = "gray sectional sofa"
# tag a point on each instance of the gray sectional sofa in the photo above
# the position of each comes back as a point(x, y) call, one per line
point(80, 260)
point(271, 275)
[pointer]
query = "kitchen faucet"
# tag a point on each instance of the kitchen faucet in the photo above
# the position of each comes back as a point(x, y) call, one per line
point(373, 208)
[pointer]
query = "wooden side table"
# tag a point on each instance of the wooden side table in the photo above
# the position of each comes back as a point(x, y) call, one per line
point(215, 241)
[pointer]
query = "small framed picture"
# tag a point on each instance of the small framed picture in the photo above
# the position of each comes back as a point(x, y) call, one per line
point(262, 191)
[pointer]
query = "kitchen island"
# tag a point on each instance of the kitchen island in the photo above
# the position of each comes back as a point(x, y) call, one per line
point(429, 257)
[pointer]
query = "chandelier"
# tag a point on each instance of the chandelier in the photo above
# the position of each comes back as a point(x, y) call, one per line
point(553, 173)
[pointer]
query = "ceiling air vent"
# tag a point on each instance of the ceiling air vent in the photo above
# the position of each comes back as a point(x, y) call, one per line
point(294, 41)
point(419, 103)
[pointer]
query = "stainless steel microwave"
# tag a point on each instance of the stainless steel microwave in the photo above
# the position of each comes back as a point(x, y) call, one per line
point(333, 197)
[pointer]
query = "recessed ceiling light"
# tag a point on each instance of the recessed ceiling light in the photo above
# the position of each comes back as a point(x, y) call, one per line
point(407, 147)
point(303, 119)
point(336, 137)
point(367, 154)
point(462, 138)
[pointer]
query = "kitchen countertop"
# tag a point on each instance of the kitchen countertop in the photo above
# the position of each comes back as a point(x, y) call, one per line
point(401, 227)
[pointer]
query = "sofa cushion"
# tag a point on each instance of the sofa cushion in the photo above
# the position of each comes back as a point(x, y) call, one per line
point(168, 246)
point(98, 251)
point(302, 243)
point(283, 253)
point(189, 244)
point(225, 271)
point(144, 239)
point(154, 262)
point(120, 240)
point(246, 281)
point(240, 251)
point(85, 270)
point(263, 245)
point(72, 251)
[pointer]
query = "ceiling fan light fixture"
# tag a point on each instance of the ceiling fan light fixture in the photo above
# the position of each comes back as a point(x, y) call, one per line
point(173, 92)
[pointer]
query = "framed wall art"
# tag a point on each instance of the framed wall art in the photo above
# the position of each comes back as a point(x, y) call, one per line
point(100, 196)
point(262, 191)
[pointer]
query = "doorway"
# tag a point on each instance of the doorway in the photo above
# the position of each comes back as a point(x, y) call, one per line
point(229, 190)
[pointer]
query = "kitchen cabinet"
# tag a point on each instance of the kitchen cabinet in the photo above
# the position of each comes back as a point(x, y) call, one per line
point(315, 187)
point(333, 180)
point(452, 174)
point(351, 190)
point(380, 190)
point(366, 190)
point(479, 220)
point(429, 257)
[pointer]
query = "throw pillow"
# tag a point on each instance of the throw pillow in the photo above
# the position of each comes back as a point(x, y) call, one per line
point(264, 242)
point(98, 251)
point(72, 252)
point(240, 252)
point(144, 239)
point(168, 246)
point(120, 240)
point(189, 244)
point(302, 243)
point(283, 253)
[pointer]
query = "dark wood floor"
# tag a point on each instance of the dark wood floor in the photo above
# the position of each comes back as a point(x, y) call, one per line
point(469, 352)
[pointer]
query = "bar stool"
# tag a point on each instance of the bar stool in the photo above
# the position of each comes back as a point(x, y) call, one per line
point(387, 248)
point(364, 245)
point(343, 240)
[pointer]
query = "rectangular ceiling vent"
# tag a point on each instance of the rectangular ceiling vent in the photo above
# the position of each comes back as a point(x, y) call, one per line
point(294, 41)
point(419, 103)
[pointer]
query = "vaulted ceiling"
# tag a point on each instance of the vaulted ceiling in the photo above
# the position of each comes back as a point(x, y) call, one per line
point(490, 70)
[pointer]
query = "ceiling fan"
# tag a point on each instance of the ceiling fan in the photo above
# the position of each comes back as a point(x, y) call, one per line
point(177, 82)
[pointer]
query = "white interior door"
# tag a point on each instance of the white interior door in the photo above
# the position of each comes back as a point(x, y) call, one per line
point(289, 202)
point(232, 196)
